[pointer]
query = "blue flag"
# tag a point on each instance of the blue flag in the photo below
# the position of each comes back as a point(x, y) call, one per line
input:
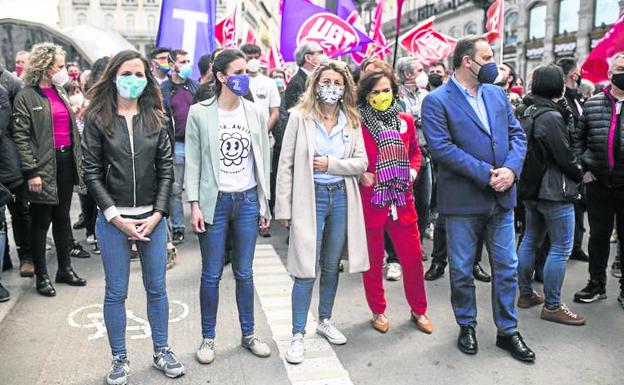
point(188, 25)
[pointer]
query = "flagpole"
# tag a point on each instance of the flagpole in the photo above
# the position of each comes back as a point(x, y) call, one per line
point(398, 32)
point(502, 37)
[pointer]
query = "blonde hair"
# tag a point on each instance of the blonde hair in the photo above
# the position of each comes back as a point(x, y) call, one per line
point(42, 58)
point(309, 106)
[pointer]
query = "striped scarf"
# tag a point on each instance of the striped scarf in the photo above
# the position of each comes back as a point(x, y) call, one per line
point(392, 167)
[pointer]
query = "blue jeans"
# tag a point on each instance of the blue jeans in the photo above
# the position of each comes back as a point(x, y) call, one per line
point(463, 233)
point(236, 216)
point(331, 234)
point(115, 249)
point(557, 220)
point(175, 202)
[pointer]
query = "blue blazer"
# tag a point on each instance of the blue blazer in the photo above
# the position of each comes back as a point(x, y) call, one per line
point(465, 151)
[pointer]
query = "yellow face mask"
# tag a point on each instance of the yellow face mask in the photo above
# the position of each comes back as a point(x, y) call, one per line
point(381, 101)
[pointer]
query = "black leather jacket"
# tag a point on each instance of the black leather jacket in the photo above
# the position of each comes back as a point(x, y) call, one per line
point(119, 174)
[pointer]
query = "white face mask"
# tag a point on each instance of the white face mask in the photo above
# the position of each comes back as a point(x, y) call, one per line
point(253, 66)
point(422, 80)
point(60, 78)
point(76, 99)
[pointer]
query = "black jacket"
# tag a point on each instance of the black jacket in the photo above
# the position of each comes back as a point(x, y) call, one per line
point(551, 142)
point(116, 174)
point(574, 101)
point(168, 89)
point(296, 87)
point(10, 169)
point(12, 83)
point(591, 141)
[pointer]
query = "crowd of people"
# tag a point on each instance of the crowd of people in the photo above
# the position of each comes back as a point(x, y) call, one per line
point(358, 163)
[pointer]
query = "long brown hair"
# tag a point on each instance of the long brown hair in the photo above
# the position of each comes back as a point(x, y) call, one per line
point(308, 104)
point(102, 97)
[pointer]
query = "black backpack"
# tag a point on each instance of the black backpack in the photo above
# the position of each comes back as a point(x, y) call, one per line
point(534, 163)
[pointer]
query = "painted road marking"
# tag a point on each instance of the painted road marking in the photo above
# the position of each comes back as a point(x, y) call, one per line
point(273, 286)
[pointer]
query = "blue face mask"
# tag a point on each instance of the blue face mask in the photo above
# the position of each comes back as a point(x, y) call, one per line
point(238, 84)
point(186, 71)
point(130, 87)
point(279, 82)
point(488, 73)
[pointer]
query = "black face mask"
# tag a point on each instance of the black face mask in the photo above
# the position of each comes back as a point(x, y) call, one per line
point(618, 80)
point(578, 80)
point(435, 80)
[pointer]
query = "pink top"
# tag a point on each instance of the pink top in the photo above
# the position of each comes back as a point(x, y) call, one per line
point(612, 128)
point(60, 119)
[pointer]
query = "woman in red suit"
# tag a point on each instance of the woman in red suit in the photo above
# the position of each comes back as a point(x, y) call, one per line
point(386, 189)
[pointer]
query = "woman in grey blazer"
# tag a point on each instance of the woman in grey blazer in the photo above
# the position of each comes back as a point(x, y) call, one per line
point(227, 183)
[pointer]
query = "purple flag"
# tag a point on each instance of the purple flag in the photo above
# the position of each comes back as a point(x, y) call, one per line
point(188, 25)
point(346, 9)
point(307, 22)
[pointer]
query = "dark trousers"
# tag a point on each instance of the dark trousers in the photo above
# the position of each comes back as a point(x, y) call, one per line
point(20, 220)
point(89, 211)
point(603, 204)
point(44, 214)
point(579, 225)
point(274, 164)
point(439, 254)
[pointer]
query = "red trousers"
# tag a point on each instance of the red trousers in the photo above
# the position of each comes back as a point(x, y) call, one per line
point(406, 241)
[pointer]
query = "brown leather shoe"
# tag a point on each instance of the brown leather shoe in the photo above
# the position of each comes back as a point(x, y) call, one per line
point(27, 269)
point(422, 323)
point(533, 299)
point(380, 323)
point(562, 315)
point(171, 258)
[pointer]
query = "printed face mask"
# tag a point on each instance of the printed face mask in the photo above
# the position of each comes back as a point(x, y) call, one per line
point(330, 93)
point(238, 84)
point(60, 78)
point(130, 87)
point(164, 68)
point(382, 101)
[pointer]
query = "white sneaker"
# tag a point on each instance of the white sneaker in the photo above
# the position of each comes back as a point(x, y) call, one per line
point(206, 352)
point(394, 272)
point(294, 355)
point(329, 331)
point(91, 239)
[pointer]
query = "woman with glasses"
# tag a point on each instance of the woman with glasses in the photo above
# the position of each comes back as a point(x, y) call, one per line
point(386, 188)
point(322, 157)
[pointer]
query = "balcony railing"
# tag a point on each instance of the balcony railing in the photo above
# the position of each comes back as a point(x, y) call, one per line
point(108, 3)
point(81, 2)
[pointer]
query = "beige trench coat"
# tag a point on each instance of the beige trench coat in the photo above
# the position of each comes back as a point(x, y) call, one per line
point(295, 198)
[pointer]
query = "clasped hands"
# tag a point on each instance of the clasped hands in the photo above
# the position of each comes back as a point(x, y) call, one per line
point(501, 179)
point(137, 229)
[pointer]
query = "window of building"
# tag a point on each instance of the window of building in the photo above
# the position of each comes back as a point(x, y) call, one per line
point(109, 22)
point(129, 2)
point(511, 28)
point(607, 12)
point(130, 24)
point(151, 23)
point(150, 2)
point(470, 29)
point(81, 18)
point(537, 22)
point(568, 16)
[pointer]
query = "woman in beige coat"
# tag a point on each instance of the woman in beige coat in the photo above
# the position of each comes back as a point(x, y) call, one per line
point(322, 157)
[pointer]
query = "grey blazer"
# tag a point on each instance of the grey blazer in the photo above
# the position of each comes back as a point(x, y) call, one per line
point(202, 151)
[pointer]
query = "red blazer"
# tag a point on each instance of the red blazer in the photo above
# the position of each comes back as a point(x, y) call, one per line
point(375, 216)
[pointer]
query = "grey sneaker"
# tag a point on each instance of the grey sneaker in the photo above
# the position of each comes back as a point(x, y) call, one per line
point(168, 363)
point(206, 352)
point(329, 331)
point(257, 347)
point(119, 371)
point(295, 352)
point(394, 272)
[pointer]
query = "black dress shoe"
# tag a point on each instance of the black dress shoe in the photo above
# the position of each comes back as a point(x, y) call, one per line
point(579, 255)
point(515, 345)
point(467, 340)
point(435, 271)
point(70, 277)
point(479, 274)
point(44, 286)
point(81, 224)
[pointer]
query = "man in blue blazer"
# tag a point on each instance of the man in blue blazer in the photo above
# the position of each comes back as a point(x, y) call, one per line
point(479, 147)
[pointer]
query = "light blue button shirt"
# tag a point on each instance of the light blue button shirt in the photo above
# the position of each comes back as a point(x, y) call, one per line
point(332, 145)
point(477, 103)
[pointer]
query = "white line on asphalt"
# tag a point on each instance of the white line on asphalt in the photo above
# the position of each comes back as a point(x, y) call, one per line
point(273, 285)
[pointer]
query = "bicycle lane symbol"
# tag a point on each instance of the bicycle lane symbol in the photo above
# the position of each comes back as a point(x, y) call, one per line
point(91, 317)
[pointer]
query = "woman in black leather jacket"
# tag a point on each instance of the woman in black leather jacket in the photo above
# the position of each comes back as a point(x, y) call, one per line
point(549, 185)
point(128, 170)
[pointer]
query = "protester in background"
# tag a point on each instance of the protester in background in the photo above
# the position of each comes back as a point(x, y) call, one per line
point(21, 62)
point(325, 123)
point(373, 65)
point(586, 90)
point(507, 79)
point(227, 180)
point(387, 196)
point(159, 59)
point(438, 75)
point(73, 70)
point(549, 208)
point(178, 92)
point(128, 169)
point(47, 140)
point(479, 147)
point(600, 147)
point(207, 89)
point(279, 76)
point(205, 72)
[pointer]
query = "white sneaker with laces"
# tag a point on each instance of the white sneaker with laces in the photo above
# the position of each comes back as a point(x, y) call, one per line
point(206, 352)
point(329, 331)
point(91, 239)
point(394, 272)
point(295, 353)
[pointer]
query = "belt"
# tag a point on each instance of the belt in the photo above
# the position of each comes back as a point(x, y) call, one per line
point(64, 149)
